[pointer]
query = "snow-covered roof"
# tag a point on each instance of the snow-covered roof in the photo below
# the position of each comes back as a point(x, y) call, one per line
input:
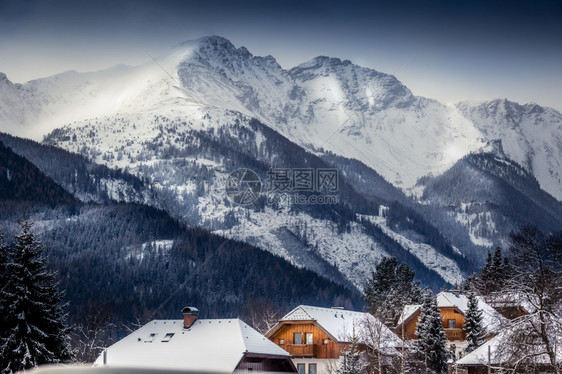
point(492, 319)
point(215, 345)
point(503, 349)
point(513, 299)
point(408, 311)
point(340, 323)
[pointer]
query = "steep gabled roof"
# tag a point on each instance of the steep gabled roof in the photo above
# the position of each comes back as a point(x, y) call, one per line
point(338, 324)
point(215, 345)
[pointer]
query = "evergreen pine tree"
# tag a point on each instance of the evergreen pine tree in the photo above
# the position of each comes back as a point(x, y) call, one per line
point(431, 345)
point(486, 276)
point(3, 283)
point(475, 334)
point(34, 320)
point(389, 289)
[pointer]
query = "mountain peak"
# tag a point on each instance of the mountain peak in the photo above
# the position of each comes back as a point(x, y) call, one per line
point(331, 61)
point(220, 53)
point(213, 40)
point(4, 78)
point(215, 44)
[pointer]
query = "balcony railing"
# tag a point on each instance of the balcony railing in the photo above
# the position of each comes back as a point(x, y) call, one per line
point(299, 350)
point(455, 334)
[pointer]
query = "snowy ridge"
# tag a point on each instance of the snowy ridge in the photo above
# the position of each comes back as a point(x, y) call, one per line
point(530, 134)
point(351, 253)
point(325, 103)
point(442, 265)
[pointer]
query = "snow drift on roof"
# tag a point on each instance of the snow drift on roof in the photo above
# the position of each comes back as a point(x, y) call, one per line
point(215, 345)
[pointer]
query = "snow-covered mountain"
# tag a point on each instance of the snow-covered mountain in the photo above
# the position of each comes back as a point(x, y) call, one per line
point(325, 103)
point(188, 164)
point(184, 121)
point(530, 134)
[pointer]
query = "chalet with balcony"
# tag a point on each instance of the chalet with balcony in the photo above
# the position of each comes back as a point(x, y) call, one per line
point(452, 306)
point(197, 345)
point(315, 336)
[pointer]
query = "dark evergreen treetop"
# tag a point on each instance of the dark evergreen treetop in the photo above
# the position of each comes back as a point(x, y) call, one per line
point(389, 289)
point(493, 277)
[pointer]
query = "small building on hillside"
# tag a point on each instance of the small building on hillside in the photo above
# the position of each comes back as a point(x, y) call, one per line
point(202, 345)
point(316, 337)
point(452, 306)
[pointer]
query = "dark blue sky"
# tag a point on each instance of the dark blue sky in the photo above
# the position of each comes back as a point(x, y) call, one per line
point(448, 50)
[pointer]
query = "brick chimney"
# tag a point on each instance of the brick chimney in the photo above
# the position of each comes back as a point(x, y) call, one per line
point(189, 316)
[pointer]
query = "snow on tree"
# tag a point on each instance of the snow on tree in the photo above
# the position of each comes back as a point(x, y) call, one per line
point(493, 277)
point(352, 361)
point(3, 281)
point(536, 280)
point(475, 333)
point(431, 345)
point(35, 323)
point(389, 289)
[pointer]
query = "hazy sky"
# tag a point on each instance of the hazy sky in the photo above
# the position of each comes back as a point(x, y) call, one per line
point(447, 50)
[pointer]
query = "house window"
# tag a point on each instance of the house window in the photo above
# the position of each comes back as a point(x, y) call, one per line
point(298, 338)
point(281, 341)
point(452, 323)
point(150, 338)
point(301, 368)
point(311, 368)
point(325, 341)
point(168, 337)
point(309, 338)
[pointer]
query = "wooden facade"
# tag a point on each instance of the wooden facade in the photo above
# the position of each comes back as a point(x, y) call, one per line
point(319, 345)
point(453, 322)
point(451, 317)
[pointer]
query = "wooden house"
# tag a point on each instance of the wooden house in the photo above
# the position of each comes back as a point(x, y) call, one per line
point(315, 336)
point(197, 345)
point(452, 306)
